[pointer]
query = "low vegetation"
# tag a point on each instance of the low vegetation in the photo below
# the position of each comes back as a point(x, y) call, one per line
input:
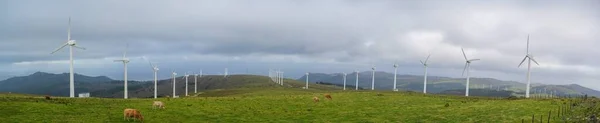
point(280, 105)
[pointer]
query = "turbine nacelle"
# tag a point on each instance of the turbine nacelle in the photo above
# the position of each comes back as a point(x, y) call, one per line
point(71, 42)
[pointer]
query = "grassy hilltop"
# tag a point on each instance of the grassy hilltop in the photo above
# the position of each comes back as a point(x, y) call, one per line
point(290, 103)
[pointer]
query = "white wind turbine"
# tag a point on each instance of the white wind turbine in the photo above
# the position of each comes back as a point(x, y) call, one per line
point(395, 74)
point(530, 58)
point(425, 75)
point(155, 69)
point(356, 86)
point(345, 80)
point(71, 43)
point(196, 83)
point(373, 78)
point(467, 67)
point(174, 76)
point(124, 60)
point(306, 87)
point(186, 83)
point(225, 75)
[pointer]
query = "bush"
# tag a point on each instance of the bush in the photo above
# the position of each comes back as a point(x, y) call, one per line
point(512, 98)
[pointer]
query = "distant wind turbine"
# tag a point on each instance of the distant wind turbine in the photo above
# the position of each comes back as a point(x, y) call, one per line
point(196, 83)
point(155, 69)
point(186, 83)
point(71, 43)
point(225, 75)
point(174, 76)
point(395, 74)
point(344, 81)
point(356, 86)
point(306, 87)
point(125, 60)
point(373, 78)
point(425, 65)
point(530, 58)
point(467, 67)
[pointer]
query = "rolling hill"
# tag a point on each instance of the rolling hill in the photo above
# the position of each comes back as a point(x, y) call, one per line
point(437, 84)
point(58, 85)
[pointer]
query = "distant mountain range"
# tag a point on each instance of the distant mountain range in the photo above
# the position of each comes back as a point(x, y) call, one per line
point(437, 84)
point(42, 83)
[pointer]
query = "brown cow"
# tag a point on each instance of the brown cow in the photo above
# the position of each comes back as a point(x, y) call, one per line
point(316, 99)
point(132, 113)
point(328, 96)
point(47, 97)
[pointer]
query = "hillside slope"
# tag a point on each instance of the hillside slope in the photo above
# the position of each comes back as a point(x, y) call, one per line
point(436, 84)
point(207, 82)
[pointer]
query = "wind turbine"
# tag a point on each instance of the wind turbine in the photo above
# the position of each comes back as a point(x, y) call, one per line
point(174, 76)
point(196, 83)
point(281, 77)
point(345, 81)
point(356, 86)
point(125, 60)
point(373, 78)
point(186, 83)
point(395, 74)
point(306, 81)
point(425, 75)
point(467, 67)
point(155, 69)
point(529, 58)
point(225, 75)
point(71, 43)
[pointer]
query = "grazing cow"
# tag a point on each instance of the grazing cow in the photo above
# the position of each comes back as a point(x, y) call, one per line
point(47, 97)
point(132, 113)
point(158, 104)
point(328, 96)
point(316, 99)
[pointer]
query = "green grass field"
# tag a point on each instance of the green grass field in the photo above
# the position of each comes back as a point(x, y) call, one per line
point(279, 105)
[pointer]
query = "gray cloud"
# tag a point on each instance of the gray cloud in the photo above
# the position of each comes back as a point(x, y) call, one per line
point(345, 32)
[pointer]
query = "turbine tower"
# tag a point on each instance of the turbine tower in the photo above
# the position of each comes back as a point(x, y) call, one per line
point(281, 77)
point(72, 44)
point(125, 60)
point(225, 75)
point(155, 69)
point(196, 83)
point(467, 67)
point(529, 58)
point(425, 75)
point(395, 74)
point(186, 83)
point(373, 78)
point(345, 81)
point(306, 87)
point(356, 86)
point(174, 76)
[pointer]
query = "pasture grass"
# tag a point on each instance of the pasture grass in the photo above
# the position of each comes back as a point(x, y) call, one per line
point(280, 105)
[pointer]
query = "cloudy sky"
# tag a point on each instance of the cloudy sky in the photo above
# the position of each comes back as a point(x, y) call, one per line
point(299, 36)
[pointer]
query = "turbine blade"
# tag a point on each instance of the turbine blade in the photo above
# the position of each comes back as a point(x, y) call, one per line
point(57, 49)
point(534, 61)
point(474, 60)
point(79, 47)
point(125, 53)
point(422, 62)
point(427, 59)
point(522, 61)
point(465, 55)
point(527, 43)
point(465, 69)
point(118, 60)
point(69, 30)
